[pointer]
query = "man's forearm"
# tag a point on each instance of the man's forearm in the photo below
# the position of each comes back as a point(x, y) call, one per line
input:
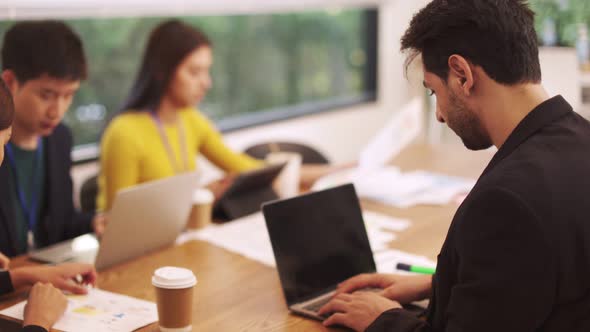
point(21, 277)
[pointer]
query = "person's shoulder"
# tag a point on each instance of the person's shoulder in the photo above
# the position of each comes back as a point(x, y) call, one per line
point(61, 135)
point(495, 209)
point(61, 130)
point(554, 157)
point(519, 178)
point(488, 190)
point(192, 114)
point(130, 119)
point(127, 127)
point(194, 118)
point(128, 123)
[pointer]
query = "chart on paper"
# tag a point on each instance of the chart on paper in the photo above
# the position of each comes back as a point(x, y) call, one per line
point(99, 311)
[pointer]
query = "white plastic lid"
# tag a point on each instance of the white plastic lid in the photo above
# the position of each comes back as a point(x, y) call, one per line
point(281, 157)
point(203, 196)
point(169, 277)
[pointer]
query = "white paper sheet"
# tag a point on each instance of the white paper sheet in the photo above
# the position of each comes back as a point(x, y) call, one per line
point(383, 222)
point(384, 183)
point(422, 188)
point(99, 311)
point(402, 129)
point(389, 186)
point(248, 236)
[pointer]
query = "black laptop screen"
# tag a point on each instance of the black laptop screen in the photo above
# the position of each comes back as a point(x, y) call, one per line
point(318, 240)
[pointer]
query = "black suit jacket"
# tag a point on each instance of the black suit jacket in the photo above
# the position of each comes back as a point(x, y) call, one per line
point(59, 219)
point(517, 254)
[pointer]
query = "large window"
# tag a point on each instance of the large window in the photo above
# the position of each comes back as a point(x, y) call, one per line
point(265, 66)
point(561, 22)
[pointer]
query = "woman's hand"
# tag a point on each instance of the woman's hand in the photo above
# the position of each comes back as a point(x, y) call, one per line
point(45, 306)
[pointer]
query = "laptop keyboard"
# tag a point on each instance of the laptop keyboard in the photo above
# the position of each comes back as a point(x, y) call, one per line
point(315, 306)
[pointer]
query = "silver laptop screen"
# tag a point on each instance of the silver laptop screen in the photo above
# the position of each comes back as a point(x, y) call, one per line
point(318, 240)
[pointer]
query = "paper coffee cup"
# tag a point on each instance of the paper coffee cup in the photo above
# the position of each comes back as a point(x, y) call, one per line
point(201, 211)
point(174, 297)
point(287, 183)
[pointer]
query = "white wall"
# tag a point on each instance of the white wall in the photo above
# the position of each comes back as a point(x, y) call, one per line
point(561, 73)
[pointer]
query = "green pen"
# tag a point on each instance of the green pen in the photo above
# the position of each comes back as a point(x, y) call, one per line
point(414, 268)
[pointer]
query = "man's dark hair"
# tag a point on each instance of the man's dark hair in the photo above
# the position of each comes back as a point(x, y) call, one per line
point(6, 106)
point(31, 49)
point(498, 35)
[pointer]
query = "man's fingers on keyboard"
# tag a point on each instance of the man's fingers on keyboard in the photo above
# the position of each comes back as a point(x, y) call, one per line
point(336, 305)
point(344, 297)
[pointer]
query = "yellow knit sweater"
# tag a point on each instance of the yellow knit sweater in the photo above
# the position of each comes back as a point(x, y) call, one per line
point(133, 152)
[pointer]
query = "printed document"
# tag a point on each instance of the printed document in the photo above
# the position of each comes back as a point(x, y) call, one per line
point(99, 311)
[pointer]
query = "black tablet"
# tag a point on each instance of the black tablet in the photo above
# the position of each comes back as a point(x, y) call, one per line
point(247, 192)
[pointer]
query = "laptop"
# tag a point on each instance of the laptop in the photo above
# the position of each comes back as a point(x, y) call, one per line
point(319, 240)
point(143, 218)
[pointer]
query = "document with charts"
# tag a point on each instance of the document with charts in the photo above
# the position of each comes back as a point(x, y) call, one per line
point(99, 311)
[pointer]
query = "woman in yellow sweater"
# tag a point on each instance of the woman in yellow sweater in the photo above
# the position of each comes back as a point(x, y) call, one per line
point(160, 133)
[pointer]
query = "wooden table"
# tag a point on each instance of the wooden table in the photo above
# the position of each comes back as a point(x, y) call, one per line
point(237, 294)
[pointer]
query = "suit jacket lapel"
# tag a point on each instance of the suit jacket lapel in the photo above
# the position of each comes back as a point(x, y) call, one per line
point(6, 205)
point(50, 186)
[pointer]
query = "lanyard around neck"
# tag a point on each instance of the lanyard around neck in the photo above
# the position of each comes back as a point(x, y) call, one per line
point(29, 210)
point(182, 141)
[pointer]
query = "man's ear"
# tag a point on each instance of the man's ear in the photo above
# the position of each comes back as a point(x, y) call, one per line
point(11, 80)
point(461, 74)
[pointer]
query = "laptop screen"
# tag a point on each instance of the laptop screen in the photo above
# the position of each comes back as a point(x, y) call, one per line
point(319, 240)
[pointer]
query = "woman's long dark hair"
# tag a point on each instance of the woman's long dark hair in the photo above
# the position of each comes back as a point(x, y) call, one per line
point(169, 43)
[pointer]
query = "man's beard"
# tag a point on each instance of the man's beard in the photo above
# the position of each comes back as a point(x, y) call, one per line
point(466, 125)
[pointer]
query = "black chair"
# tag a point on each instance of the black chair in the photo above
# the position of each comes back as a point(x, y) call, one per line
point(308, 154)
point(88, 193)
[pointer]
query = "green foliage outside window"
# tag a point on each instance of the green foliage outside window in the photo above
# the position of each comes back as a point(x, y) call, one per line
point(567, 16)
point(260, 62)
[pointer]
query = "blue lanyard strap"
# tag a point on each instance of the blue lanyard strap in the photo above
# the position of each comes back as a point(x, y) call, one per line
point(29, 210)
point(182, 140)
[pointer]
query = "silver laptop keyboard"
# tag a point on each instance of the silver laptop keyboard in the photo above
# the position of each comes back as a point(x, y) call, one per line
point(315, 306)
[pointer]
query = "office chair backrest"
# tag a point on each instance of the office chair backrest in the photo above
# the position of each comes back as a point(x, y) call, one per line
point(88, 193)
point(308, 154)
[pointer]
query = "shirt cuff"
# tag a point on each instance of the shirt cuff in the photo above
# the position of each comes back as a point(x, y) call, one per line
point(397, 319)
point(33, 328)
point(5, 283)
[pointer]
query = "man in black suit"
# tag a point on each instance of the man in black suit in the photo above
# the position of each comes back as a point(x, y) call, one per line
point(43, 65)
point(517, 254)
